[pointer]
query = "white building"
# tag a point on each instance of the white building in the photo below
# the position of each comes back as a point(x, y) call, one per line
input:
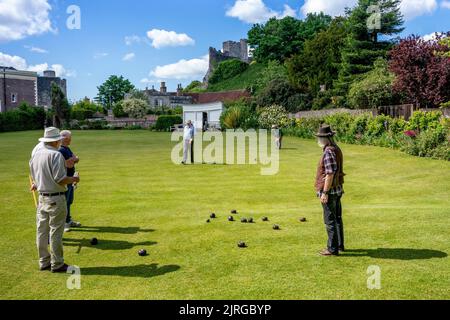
point(203, 115)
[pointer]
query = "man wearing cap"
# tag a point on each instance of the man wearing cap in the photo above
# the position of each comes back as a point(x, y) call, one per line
point(71, 160)
point(48, 171)
point(188, 138)
point(329, 188)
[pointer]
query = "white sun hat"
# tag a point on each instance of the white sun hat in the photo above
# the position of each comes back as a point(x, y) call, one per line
point(51, 134)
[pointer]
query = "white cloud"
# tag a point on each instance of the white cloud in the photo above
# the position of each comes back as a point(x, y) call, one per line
point(409, 8)
point(36, 49)
point(163, 38)
point(20, 63)
point(129, 57)
point(333, 8)
point(130, 40)
point(445, 4)
point(148, 81)
point(256, 11)
point(431, 36)
point(100, 55)
point(183, 69)
point(415, 8)
point(23, 18)
point(17, 62)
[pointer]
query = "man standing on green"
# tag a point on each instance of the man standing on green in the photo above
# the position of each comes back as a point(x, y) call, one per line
point(48, 172)
point(71, 160)
point(329, 188)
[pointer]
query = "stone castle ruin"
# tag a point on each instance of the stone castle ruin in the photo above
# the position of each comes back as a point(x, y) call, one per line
point(230, 50)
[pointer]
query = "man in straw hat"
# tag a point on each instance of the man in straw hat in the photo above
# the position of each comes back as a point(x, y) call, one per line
point(329, 181)
point(49, 175)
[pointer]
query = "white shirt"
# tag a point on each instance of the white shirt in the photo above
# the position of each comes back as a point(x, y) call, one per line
point(189, 133)
point(39, 146)
point(48, 169)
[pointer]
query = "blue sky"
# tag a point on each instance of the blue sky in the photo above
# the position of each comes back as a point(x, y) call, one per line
point(149, 41)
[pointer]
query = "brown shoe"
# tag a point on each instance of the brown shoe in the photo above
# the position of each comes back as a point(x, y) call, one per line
point(62, 269)
point(47, 268)
point(327, 253)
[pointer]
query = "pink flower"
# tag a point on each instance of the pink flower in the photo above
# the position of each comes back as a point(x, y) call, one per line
point(410, 133)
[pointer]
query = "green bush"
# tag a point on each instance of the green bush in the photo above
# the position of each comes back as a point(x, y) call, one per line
point(84, 109)
point(273, 115)
point(23, 118)
point(421, 121)
point(165, 122)
point(239, 115)
point(374, 89)
point(384, 131)
point(118, 110)
point(227, 69)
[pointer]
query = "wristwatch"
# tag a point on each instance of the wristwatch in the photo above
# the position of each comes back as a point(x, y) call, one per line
point(325, 192)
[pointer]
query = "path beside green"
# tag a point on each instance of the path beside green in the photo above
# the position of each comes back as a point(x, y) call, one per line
point(396, 213)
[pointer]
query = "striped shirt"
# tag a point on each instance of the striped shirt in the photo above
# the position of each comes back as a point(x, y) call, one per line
point(331, 167)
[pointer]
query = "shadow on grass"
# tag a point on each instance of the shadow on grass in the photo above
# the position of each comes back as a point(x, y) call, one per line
point(395, 253)
point(122, 230)
point(139, 271)
point(106, 244)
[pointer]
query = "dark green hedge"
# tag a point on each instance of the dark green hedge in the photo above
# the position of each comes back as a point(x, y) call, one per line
point(23, 118)
point(165, 122)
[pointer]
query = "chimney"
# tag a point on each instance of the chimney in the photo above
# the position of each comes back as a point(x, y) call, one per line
point(163, 88)
point(179, 90)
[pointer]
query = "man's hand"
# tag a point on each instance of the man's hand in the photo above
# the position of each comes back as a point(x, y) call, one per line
point(76, 159)
point(33, 188)
point(76, 179)
point(190, 141)
point(324, 198)
point(70, 163)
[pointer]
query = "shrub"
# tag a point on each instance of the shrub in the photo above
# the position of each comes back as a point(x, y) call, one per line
point(424, 120)
point(84, 110)
point(278, 92)
point(118, 110)
point(135, 108)
point(23, 118)
point(165, 122)
point(239, 115)
point(227, 69)
point(273, 115)
point(374, 89)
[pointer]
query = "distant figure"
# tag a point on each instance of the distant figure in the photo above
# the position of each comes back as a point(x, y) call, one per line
point(188, 137)
point(278, 136)
point(71, 160)
point(329, 187)
point(48, 172)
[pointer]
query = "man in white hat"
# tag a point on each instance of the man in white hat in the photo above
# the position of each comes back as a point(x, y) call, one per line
point(48, 171)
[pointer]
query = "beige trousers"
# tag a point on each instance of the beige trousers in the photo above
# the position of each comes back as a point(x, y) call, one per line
point(51, 216)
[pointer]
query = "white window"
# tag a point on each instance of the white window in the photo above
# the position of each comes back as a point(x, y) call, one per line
point(13, 97)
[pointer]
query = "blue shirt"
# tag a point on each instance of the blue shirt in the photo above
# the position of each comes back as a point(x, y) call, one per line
point(67, 154)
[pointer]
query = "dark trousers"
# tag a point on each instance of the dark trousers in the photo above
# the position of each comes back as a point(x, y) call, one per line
point(332, 215)
point(192, 152)
point(69, 199)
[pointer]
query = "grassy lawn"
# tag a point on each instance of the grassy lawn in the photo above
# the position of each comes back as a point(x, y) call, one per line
point(396, 214)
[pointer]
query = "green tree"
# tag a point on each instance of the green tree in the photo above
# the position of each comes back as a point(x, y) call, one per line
point(194, 86)
point(274, 71)
point(113, 90)
point(227, 69)
point(279, 39)
point(60, 106)
point(363, 45)
point(374, 89)
point(319, 62)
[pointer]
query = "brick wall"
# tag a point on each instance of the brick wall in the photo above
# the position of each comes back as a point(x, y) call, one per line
point(25, 91)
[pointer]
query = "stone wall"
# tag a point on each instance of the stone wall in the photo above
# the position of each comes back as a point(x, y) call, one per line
point(44, 86)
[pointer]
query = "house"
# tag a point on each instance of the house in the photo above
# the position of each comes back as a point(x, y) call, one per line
point(203, 116)
point(16, 87)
